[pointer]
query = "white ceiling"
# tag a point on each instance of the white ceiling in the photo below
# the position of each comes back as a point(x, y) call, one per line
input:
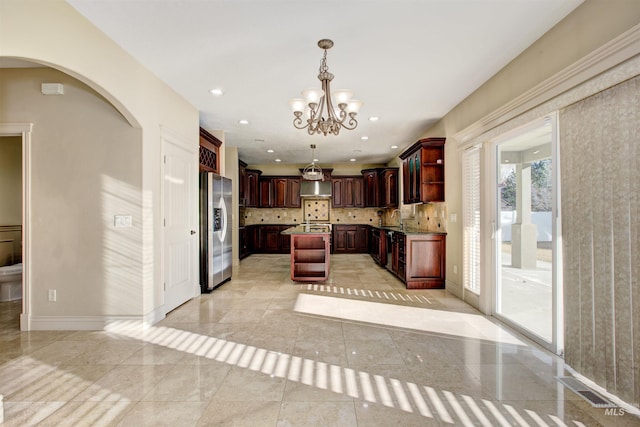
point(410, 61)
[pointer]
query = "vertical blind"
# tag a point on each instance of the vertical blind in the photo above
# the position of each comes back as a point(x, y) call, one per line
point(471, 219)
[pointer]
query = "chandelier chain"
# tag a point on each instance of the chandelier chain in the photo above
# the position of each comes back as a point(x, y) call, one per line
point(323, 63)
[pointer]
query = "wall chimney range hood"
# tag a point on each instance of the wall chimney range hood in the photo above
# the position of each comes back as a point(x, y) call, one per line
point(315, 189)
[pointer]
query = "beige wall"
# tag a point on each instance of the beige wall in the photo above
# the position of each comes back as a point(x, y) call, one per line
point(10, 180)
point(54, 34)
point(85, 161)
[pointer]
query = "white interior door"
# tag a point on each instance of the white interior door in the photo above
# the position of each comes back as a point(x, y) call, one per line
point(180, 223)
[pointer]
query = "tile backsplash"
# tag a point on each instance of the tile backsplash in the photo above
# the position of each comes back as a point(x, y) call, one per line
point(420, 216)
point(424, 217)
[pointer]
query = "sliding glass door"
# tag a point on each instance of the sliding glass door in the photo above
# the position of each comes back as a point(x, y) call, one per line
point(527, 252)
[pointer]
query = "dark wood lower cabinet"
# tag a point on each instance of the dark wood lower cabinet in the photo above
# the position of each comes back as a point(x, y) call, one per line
point(377, 245)
point(244, 245)
point(397, 255)
point(265, 239)
point(416, 259)
point(350, 239)
point(270, 239)
point(425, 261)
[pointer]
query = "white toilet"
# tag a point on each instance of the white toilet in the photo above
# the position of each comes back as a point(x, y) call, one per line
point(11, 282)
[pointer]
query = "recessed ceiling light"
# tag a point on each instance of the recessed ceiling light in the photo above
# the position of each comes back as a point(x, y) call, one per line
point(536, 152)
point(352, 160)
point(316, 160)
point(278, 160)
point(243, 122)
point(364, 138)
point(394, 146)
point(269, 150)
point(374, 119)
point(216, 92)
point(506, 161)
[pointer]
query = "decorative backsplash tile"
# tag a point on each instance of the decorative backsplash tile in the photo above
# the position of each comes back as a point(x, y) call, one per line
point(316, 209)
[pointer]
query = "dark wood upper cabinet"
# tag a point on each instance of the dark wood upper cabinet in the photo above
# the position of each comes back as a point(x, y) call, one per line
point(389, 188)
point(248, 187)
point(286, 192)
point(336, 193)
point(293, 193)
point(280, 192)
point(423, 171)
point(348, 192)
point(266, 193)
point(242, 182)
point(353, 188)
point(252, 188)
point(209, 152)
point(380, 187)
point(371, 191)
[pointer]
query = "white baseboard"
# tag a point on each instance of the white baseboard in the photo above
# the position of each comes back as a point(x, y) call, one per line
point(89, 323)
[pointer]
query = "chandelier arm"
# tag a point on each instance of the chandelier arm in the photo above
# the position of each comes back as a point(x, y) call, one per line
point(342, 117)
point(297, 123)
point(351, 124)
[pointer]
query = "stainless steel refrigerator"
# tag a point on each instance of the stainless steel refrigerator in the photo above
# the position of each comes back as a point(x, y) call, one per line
point(215, 231)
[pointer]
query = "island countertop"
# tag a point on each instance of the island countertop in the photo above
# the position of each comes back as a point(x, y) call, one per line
point(308, 229)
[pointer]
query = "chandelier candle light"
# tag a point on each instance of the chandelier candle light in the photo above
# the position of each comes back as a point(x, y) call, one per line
point(322, 116)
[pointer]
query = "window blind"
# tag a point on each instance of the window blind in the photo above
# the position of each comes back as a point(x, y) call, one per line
point(471, 219)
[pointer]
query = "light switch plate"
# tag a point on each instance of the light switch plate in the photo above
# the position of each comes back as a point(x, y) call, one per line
point(120, 221)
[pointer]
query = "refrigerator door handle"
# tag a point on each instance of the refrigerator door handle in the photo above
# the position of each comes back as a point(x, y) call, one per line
point(223, 220)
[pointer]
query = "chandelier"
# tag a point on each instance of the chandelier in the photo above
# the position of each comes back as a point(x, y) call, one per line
point(312, 172)
point(321, 115)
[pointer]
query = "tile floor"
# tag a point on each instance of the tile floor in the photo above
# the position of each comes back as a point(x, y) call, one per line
point(359, 350)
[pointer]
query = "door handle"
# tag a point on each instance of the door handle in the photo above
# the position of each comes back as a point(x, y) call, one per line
point(193, 232)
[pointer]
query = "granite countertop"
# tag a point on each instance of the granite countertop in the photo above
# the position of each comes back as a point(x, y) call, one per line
point(308, 229)
point(405, 230)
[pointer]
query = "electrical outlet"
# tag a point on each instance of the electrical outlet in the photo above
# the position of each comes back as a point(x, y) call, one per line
point(455, 269)
point(52, 295)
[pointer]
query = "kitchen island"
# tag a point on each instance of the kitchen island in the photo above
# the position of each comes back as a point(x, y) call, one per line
point(310, 252)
